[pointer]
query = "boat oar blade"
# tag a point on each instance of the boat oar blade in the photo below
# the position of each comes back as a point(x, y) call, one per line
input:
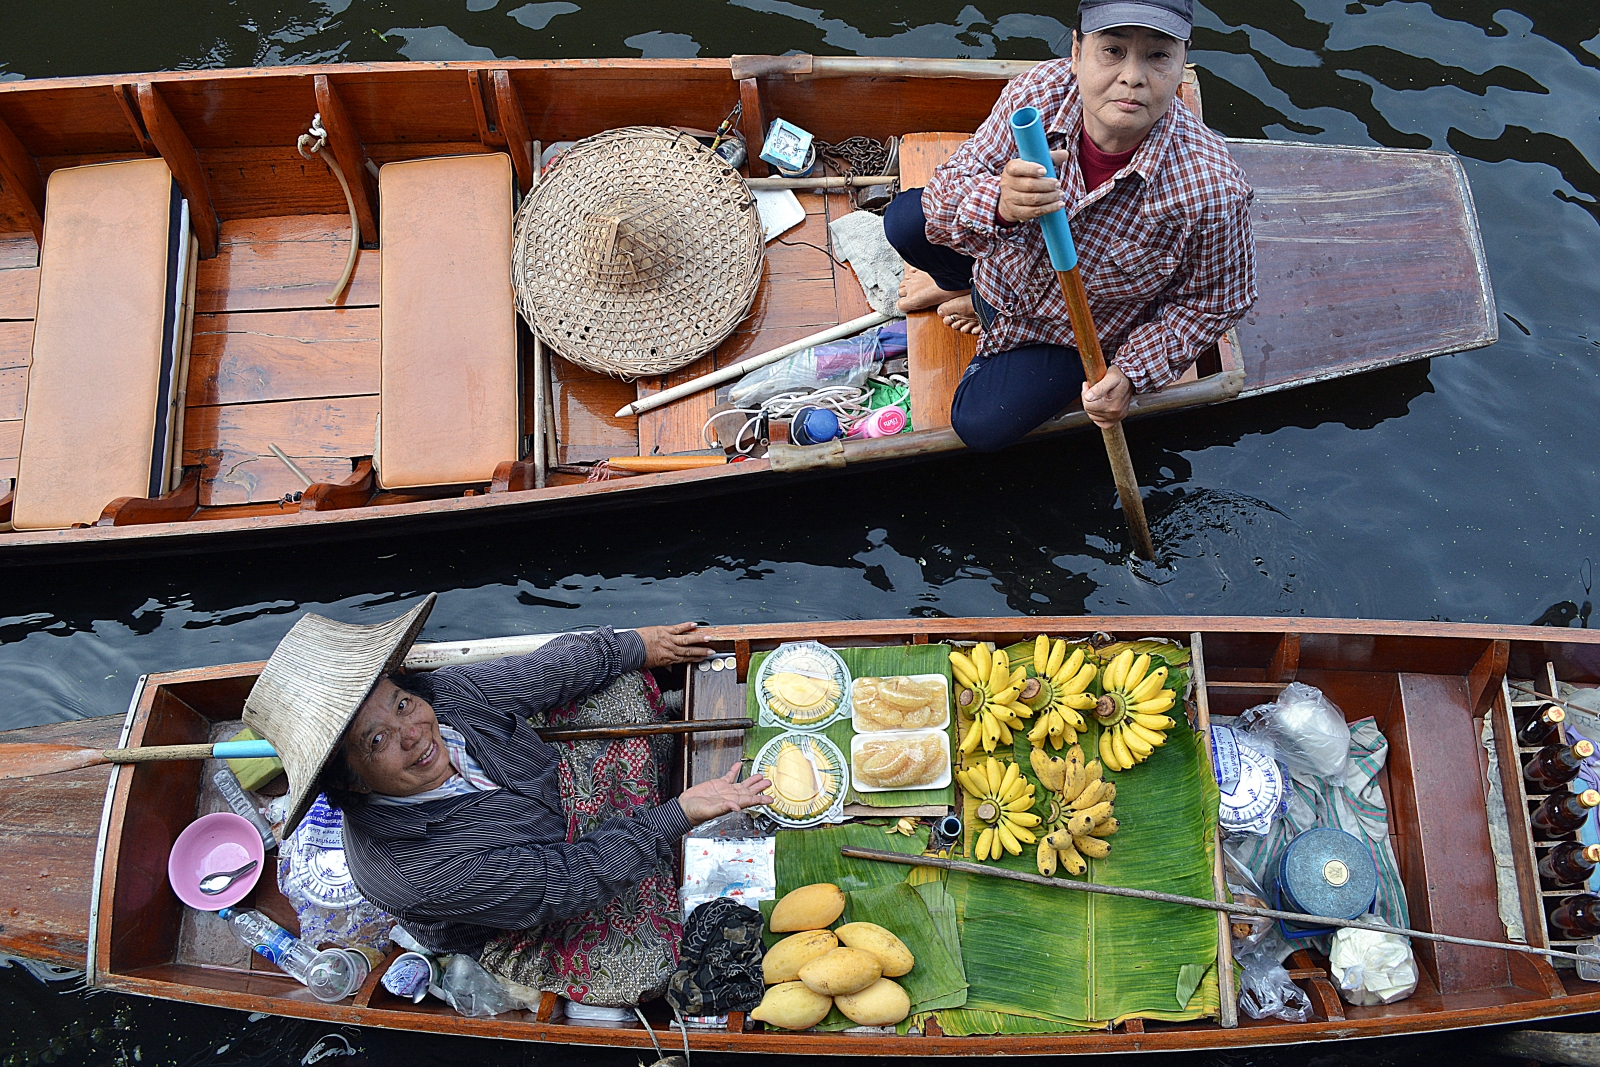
point(28, 760)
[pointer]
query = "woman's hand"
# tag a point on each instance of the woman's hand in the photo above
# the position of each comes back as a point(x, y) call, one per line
point(1027, 192)
point(1106, 402)
point(721, 795)
point(666, 645)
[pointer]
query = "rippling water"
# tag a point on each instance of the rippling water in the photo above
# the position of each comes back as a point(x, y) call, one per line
point(1460, 488)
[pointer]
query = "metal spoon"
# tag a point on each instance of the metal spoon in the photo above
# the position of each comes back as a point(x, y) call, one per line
point(212, 884)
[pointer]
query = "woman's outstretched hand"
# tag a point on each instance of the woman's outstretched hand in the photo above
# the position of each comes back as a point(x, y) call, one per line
point(721, 795)
point(666, 645)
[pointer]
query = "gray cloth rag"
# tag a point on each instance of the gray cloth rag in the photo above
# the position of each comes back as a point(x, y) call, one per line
point(860, 240)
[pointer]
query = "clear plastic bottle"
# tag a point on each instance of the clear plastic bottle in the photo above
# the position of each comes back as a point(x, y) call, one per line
point(228, 785)
point(331, 975)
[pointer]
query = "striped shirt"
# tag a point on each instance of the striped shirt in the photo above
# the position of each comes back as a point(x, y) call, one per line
point(458, 869)
point(1165, 247)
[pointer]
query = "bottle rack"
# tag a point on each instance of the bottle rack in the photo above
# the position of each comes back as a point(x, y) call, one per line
point(1549, 899)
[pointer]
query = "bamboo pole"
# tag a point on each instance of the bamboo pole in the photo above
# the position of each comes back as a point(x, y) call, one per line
point(1226, 988)
point(1193, 902)
point(831, 182)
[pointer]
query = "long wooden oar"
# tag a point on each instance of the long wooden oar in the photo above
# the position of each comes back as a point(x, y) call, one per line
point(29, 760)
point(1299, 917)
point(1027, 128)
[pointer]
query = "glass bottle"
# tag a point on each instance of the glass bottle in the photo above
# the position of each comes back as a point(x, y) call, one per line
point(1568, 864)
point(331, 975)
point(1541, 729)
point(1577, 918)
point(1556, 765)
point(1562, 813)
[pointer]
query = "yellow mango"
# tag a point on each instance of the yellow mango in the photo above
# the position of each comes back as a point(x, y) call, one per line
point(783, 961)
point(792, 1006)
point(883, 1003)
point(841, 972)
point(890, 950)
point(811, 907)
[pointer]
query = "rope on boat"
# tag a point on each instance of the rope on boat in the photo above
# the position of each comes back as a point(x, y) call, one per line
point(311, 144)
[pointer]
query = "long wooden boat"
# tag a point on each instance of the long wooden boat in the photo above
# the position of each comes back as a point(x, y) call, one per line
point(1368, 257)
point(85, 884)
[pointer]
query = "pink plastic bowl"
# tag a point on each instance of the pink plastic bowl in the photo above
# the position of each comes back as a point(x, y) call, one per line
point(218, 842)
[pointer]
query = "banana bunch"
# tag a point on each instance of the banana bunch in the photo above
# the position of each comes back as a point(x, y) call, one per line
point(1080, 816)
point(1005, 803)
point(1057, 692)
point(1130, 712)
point(989, 695)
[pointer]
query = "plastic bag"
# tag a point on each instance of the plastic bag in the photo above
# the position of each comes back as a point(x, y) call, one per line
point(1248, 930)
point(313, 875)
point(1372, 968)
point(471, 990)
point(1307, 729)
point(850, 361)
point(1267, 991)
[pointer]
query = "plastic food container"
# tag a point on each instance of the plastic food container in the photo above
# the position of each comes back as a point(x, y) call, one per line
point(870, 723)
point(802, 685)
point(913, 737)
point(809, 778)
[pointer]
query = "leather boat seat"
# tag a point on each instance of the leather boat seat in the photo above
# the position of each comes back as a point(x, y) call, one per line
point(448, 405)
point(114, 282)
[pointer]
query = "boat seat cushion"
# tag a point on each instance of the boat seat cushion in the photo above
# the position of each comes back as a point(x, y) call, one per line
point(99, 341)
point(449, 396)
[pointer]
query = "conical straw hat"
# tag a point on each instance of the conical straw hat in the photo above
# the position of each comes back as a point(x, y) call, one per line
point(313, 685)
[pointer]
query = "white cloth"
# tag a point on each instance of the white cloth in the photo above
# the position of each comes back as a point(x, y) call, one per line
point(859, 239)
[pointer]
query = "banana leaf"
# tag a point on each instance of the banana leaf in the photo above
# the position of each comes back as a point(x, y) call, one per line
point(886, 661)
point(1107, 958)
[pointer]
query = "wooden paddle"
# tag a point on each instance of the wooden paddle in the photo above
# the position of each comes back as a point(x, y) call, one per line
point(29, 760)
point(1028, 129)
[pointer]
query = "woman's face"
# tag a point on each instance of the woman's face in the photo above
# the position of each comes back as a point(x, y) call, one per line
point(394, 743)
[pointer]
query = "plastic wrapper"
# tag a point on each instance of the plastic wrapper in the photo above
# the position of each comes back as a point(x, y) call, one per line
point(1372, 968)
point(1307, 729)
point(313, 875)
point(850, 361)
point(1248, 930)
point(471, 990)
point(1267, 991)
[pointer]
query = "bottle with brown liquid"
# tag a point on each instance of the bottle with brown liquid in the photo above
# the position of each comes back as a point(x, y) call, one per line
point(1562, 813)
point(1577, 918)
point(1568, 864)
point(1556, 765)
point(1541, 729)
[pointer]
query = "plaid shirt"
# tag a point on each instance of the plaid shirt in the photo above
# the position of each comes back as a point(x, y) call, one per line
point(1165, 247)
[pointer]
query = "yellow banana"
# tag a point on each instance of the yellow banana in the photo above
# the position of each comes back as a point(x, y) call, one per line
point(1118, 745)
point(1158, 723)
point(1149, 687)
point(1071, 860)
point(1136, 672)
point(1137, 745)
point(1153, 738)
point(1045, 859)
point(1155, 705)
point(1093, 847)
point(962, 668)
point(1024, 819)
point(1008, 840)
point(974, 737)
point(985, 840)
point(1041, 653)
point(1108, 755)
point(1058, 652)
point(1106, 828)
point(1118, 669)
point(980, 660)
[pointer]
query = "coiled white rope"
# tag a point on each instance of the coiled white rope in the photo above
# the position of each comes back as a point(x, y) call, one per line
point(311, 144)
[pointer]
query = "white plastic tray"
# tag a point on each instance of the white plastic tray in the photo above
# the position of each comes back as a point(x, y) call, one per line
point(891, 735)
point(856, 721)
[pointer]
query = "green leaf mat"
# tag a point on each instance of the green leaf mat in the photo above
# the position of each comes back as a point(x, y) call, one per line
point(881, 662)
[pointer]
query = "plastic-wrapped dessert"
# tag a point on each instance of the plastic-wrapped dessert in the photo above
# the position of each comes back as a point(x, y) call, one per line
point(912, 761)
point(901, 702)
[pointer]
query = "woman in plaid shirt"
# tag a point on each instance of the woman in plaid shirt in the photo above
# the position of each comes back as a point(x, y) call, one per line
point(1160, 215)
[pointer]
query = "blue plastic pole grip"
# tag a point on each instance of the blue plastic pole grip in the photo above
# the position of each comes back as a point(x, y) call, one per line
point(243, 750)
point(1028, 128)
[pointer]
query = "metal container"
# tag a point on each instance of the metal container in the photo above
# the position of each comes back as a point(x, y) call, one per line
point(1328, 872)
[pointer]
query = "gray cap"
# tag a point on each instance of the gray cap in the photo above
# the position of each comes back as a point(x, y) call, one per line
point(1175, 18)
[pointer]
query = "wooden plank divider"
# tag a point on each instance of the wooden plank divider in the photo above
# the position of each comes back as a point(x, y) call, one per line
point(20, 173)
point(351, 155)
point(514, 130)
point(128, 101)
point(176, 148)
point(487, 133)
point(753, 124)
point(1227, 987)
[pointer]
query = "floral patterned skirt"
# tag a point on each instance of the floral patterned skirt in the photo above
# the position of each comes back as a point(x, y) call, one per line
point(624, 952)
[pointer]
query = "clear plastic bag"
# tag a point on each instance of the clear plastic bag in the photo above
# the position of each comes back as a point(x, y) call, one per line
point(850, 361)
point(471, 990)
point(1372, 968)
point(1307, 729)
point(1267, 991)
point(1248, 930)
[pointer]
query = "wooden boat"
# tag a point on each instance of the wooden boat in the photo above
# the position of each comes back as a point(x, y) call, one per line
point(85, 877)
point(1368, 257)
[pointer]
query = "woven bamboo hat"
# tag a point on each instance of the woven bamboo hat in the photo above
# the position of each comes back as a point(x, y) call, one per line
point(637, 253)
point(313, 685)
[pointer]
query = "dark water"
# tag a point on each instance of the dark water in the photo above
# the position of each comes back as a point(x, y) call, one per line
point(1462, 488)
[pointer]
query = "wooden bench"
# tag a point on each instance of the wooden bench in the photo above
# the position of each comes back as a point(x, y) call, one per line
point(448, 400)
point(116, 283)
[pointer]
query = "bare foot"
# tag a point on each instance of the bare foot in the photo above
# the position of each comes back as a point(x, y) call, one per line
point(918, 292)
point(960, 315)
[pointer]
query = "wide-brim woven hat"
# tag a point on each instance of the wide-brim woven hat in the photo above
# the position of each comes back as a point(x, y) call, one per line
point(313, 685)
point(638, 252)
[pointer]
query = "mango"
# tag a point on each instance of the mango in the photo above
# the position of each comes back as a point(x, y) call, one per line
point(811, 907)
point(890, 950)
point(792, 1006)
point(783, 961)
point(883, 1003)
point(841, 972)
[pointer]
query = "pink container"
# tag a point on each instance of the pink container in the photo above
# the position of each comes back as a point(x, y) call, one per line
point(219, 842)
point(885, 422)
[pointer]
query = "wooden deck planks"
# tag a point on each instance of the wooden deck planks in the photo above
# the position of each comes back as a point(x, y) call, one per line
point(249, 357)
point(283, 263)
point(586, 403)
point(938, 355)
point(231, 441)
point(19, 292)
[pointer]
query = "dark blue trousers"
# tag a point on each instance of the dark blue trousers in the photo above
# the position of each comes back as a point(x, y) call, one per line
point(1005, 395)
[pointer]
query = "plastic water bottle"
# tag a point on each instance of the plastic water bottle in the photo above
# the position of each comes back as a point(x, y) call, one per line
point(331, 975)
point(228, 785)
